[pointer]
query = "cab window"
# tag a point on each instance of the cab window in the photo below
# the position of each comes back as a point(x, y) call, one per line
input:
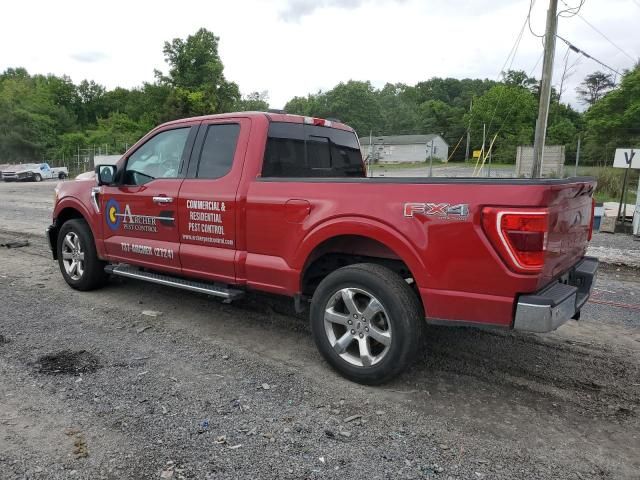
point(159, 157)
point(299, 150)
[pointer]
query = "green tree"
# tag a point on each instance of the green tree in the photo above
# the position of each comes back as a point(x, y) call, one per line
point(196, 76)
point(311, 105)
point(594, 86)
point(400, 115)
point(354, 103)
point(508, 111)
point(519, 78)
point(29, 117)
point(91, 106)
point(117, 131)
point(614, 120)
point(254, 102)
point(436, 116)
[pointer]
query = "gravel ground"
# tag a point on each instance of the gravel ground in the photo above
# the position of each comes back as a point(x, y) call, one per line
point(616, 248)
point(140, 381)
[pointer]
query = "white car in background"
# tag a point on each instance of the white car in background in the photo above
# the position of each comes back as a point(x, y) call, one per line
point(33, 172)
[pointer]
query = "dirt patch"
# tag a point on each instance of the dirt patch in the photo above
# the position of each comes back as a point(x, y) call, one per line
point(80, 449)
point(68, 362)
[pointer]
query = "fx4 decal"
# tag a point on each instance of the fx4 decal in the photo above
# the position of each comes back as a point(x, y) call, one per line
point(442, 210)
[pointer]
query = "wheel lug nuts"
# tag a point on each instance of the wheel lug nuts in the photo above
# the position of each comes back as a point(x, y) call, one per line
point(355, 316)
point(349, 322)
point(361, 335)
point(366, 329)
point(353, 332)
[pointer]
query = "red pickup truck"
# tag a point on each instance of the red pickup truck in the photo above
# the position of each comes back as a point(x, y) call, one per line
point(225, 204)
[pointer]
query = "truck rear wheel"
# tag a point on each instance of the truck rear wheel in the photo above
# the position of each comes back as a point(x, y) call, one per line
point(77, 256)
point(366, 322)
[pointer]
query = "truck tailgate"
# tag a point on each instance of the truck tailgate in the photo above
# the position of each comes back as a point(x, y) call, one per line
point(570, 218)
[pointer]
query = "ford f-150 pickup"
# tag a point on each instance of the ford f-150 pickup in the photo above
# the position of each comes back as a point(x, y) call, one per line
point(230, 203)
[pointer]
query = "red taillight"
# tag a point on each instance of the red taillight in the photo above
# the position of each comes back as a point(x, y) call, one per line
point(519, 236)
point(593, 214)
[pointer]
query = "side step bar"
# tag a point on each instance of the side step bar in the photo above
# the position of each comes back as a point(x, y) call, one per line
point(217, 290)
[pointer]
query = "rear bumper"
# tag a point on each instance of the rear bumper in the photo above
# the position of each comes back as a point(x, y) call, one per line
point(546, 310)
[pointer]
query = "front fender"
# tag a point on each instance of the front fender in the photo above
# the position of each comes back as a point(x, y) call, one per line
point(363, 227)
point(88, 214)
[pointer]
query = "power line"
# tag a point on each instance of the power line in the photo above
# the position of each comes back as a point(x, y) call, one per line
point(504, 121)
point(570, 11)
point(514, 50)
point(511, 55)
point(582, 52)
point(600, 33)
point(528, 20)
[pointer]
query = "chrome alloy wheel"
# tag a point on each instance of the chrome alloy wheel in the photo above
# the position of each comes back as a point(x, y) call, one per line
point(73, 256)
point(357, 327)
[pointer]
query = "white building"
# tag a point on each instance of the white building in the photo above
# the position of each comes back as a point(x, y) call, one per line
point(405, 148)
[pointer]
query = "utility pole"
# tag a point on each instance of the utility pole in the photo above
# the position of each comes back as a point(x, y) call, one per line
point(575, 172)
point(545, 88)
point(483, 155)
point(466, 153)
point(431, 160)
point(370, 162)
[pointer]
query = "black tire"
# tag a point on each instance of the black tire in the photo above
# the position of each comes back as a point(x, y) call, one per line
point(400, 303)
point(37, 177)
point(93, 275)
point(62, 176)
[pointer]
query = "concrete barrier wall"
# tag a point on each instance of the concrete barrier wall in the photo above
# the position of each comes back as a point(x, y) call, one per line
point(552, 162)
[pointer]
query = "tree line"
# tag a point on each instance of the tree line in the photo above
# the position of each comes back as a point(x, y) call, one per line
point(49, 117)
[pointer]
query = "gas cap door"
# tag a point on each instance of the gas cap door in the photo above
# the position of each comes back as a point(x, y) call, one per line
point(296, 210)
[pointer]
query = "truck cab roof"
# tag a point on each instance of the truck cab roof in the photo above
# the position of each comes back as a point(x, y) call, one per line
point(272, 117)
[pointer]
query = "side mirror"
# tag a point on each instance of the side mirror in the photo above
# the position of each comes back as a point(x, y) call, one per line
point(105, 174)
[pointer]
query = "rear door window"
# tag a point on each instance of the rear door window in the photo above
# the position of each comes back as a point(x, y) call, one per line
point(218, 150)
point(300, 150)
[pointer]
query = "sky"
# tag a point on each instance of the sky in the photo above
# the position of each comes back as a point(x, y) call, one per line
point(295, 47)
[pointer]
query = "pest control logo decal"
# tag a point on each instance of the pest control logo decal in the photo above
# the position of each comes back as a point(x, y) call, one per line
point(117, 217)
point(113, 214)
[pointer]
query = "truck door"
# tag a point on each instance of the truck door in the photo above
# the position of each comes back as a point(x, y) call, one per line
point(45, 171)
point(140, 213)
point(207, 204)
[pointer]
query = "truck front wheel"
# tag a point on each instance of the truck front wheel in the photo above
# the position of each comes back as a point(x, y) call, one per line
point(37, 177)
point(367, 322)
point(77, 256)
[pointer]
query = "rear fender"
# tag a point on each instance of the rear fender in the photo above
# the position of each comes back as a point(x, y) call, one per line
point(363, 227)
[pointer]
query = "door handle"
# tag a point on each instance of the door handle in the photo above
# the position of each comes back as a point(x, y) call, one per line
point(162, 200)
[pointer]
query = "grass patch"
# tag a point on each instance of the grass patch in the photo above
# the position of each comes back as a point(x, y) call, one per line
point(610, 181)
